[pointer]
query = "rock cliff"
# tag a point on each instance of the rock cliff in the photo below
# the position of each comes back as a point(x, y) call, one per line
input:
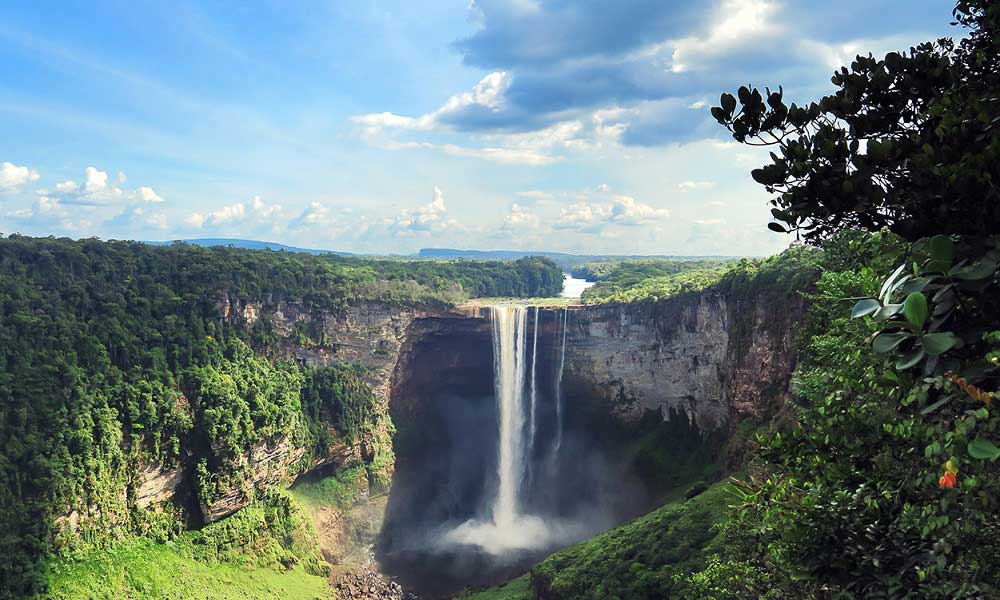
point(715, 358)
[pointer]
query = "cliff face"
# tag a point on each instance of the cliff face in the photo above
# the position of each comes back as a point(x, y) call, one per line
point(716, 359)
point(368, 334)
point(271, 463)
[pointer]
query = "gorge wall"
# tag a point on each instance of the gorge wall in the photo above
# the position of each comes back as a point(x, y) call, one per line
point(367, 334)
point(714, 358)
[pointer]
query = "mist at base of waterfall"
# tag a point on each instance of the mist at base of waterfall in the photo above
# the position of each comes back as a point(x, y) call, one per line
point(439, 563)
point(525, 533)
point(491, 481)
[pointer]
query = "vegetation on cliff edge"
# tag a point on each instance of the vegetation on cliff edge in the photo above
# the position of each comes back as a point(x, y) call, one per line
point(115, 359)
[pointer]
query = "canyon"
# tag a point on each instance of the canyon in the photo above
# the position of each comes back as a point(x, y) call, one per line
point(699, 363)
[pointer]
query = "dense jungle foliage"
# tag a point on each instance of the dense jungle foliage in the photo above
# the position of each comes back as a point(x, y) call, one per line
point(115, 354)
point(631, 271)
point(886, 485)
point(791, 270)
point(650, 289)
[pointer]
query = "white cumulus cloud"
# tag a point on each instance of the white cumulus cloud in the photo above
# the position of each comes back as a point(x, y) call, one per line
point(626, 211)
point(520, 218)
point(94, 181)
point(146, 194)
point(14, 177)
point(227, 214)
point(425, 219)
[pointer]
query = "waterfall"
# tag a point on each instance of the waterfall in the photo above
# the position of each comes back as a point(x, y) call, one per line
point(559, 377)
point(510, 528)
point(509, 327)
point(534, 389)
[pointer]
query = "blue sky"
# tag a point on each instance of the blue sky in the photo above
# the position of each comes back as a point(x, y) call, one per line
point(565, 125)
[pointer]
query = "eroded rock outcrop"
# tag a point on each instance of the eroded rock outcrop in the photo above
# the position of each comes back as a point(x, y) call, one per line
point(271, 463)
point(715, 358)
point(155, 484)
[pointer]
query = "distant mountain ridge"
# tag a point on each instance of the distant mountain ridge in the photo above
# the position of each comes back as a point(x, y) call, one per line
point(484, 254)
point(562, 258)
point(249, 244)
point(515, 254)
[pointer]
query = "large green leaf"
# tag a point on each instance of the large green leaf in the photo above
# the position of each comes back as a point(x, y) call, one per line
point(891, 280)
point(939, 343)
point(887, 311)
point(884, 342)
point(865, 307)
point(915, 285)
point(983, 449)
point(981, 269)
point(911, 359)
point(942, 249)
point(915, 309)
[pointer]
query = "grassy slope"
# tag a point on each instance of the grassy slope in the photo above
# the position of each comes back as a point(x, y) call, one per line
point(338, 491)
point(224, 561)
point(143, 570)
point(516, 589)
point(636, 560)
point(266, 550)
point(641, 558)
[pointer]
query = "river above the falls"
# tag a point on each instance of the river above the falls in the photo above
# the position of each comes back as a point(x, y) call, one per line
point(573, 287)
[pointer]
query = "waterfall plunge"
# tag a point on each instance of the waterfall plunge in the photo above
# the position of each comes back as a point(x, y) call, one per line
point(509, 529)
point(508, 368)
point(559, 376)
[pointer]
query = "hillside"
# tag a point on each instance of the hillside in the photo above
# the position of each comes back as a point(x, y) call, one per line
point(131, 383)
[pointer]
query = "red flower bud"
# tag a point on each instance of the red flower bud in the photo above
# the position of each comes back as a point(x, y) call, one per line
point(947, 480)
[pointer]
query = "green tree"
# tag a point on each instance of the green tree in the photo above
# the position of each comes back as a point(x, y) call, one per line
point(909, 142)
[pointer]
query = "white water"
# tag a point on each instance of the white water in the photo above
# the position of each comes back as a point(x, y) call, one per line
point(510, 529)
point(558, 390)
point(508, 368)
point(534, 390)
point(573, 287)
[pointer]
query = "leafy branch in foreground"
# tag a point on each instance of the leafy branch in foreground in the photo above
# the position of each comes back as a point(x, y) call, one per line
point(909, 142)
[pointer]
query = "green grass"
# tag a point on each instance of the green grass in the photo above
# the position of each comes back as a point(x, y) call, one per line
point(266, 550)
point(338, 491)
point(144, 569)
point(641, 558)
point(516, 589)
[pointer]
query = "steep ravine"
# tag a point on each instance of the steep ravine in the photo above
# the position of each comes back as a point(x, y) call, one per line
point(707, 359)
point(703, 362)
